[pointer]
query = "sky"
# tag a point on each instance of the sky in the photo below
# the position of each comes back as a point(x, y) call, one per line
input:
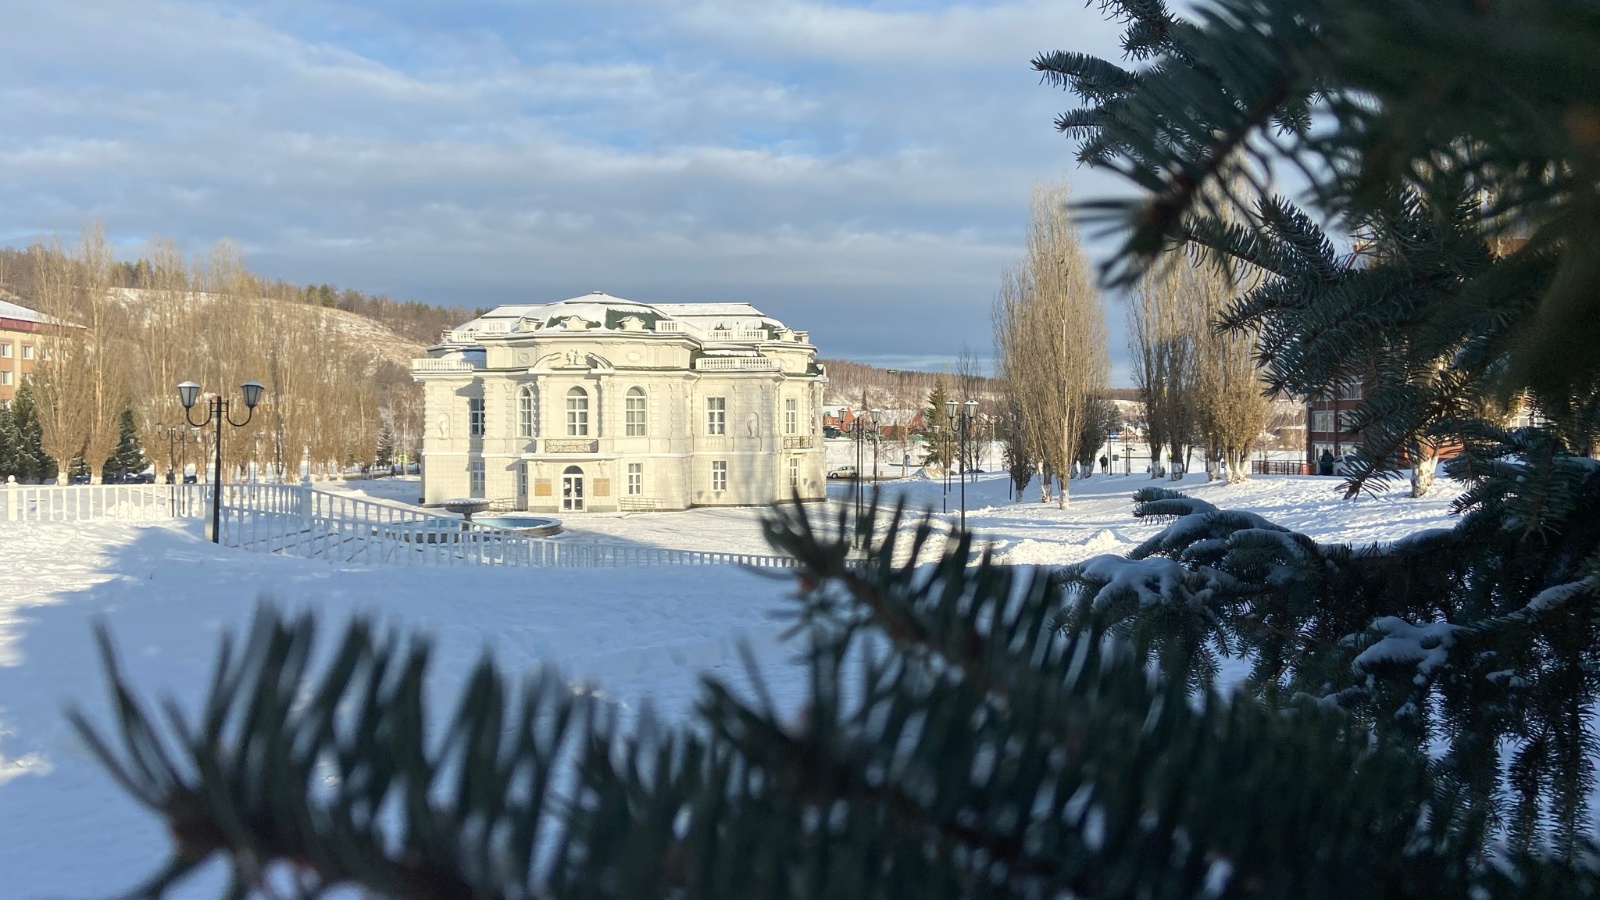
point(860, 170)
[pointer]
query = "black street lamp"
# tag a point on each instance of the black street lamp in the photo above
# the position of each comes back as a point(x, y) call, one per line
point(173, 434)
point(877, 434)
point(188, 393)
point(966, 411)
point(860, 427)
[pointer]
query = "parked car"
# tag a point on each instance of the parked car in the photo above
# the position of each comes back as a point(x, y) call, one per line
point(842, 472)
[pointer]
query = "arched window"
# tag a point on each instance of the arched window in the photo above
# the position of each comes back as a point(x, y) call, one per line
point(577, 412)
point(635, 413)
point(525, 412)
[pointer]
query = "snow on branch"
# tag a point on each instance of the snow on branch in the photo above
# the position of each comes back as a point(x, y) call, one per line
point(1150, 581)
point(1425, 646)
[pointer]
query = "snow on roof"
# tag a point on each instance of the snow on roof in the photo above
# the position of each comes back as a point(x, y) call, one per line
point(22, 313)
point(602, 311)
point(710, 309)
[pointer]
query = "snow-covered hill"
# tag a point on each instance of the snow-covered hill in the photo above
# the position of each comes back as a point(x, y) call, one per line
point(378, 338)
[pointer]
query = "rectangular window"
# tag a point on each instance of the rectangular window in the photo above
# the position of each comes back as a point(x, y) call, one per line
point(475, 417)
point(716, 415)
point(634, 413)
point(577, 413)
point(794, 471)
point(5, 351)
point(476, 473)
point(1350, 390)
point(1322, 420)
point(719, 475)
point(5, 376)
point(1347, 420)
point(635, 479)
point(525, 400)
point(791, 416)
point(27, 351)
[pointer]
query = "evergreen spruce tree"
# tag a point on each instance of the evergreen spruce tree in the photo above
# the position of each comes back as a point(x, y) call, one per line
point(10, 446)
point(32, 463)
point(1469, 244)
point(385, 453)
point(938, 447)
point(129, 457)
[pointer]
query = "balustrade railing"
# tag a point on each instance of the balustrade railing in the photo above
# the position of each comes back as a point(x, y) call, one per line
point(736, 364)
point(442, 365)
point(297, 520)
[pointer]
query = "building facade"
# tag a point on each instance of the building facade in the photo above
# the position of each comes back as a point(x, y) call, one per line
point(21, 345)
point(602, 404)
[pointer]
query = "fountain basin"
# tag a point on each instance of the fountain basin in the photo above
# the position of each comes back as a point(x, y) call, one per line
point(537, 526)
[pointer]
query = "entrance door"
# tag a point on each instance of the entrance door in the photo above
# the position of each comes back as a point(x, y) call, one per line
point(572, 489)
point(522, 485)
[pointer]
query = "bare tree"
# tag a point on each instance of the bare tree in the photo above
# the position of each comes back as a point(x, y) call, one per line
point(1051, 337)
point(101, 353)
point(1161, 335)
point(62, 386)
point(1230, 405)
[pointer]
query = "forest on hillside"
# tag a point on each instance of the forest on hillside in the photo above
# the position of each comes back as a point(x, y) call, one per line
point(338, 392)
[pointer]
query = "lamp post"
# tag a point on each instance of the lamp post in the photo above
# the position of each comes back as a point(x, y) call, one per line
point(864, 424)
point(965, 412)
point(876, 433)
point(188, 393)
point(174, 434)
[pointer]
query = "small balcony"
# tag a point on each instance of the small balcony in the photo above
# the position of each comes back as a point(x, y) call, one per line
point(441, 366)
point(571, 445)
point(797, 442)
point(736, 364)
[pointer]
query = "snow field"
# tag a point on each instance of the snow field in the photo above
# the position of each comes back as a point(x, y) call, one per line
point(640, 635)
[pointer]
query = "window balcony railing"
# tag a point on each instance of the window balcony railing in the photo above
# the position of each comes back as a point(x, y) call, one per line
point(797, 442)
point(441, 366)
point(736, 364)
point(571, 445)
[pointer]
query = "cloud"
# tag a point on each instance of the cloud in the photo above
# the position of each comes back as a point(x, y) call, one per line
point(867, 165)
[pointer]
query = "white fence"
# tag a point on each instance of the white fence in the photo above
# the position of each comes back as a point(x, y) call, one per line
point(296, 520)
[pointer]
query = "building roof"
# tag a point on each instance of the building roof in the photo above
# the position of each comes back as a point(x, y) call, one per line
point(599, 311)
point(22, 314)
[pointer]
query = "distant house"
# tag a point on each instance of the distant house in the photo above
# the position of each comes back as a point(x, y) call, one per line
point(599, 403)
point(23, 332)
point(1329, 423)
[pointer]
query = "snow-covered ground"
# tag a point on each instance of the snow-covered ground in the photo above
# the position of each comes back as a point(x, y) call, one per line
point(1097, 520)
point(640, 635)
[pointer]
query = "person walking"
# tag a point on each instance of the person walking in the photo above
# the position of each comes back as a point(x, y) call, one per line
point(1105, 465)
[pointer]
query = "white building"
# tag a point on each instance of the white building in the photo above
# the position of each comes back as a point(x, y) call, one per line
point(598, 403)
